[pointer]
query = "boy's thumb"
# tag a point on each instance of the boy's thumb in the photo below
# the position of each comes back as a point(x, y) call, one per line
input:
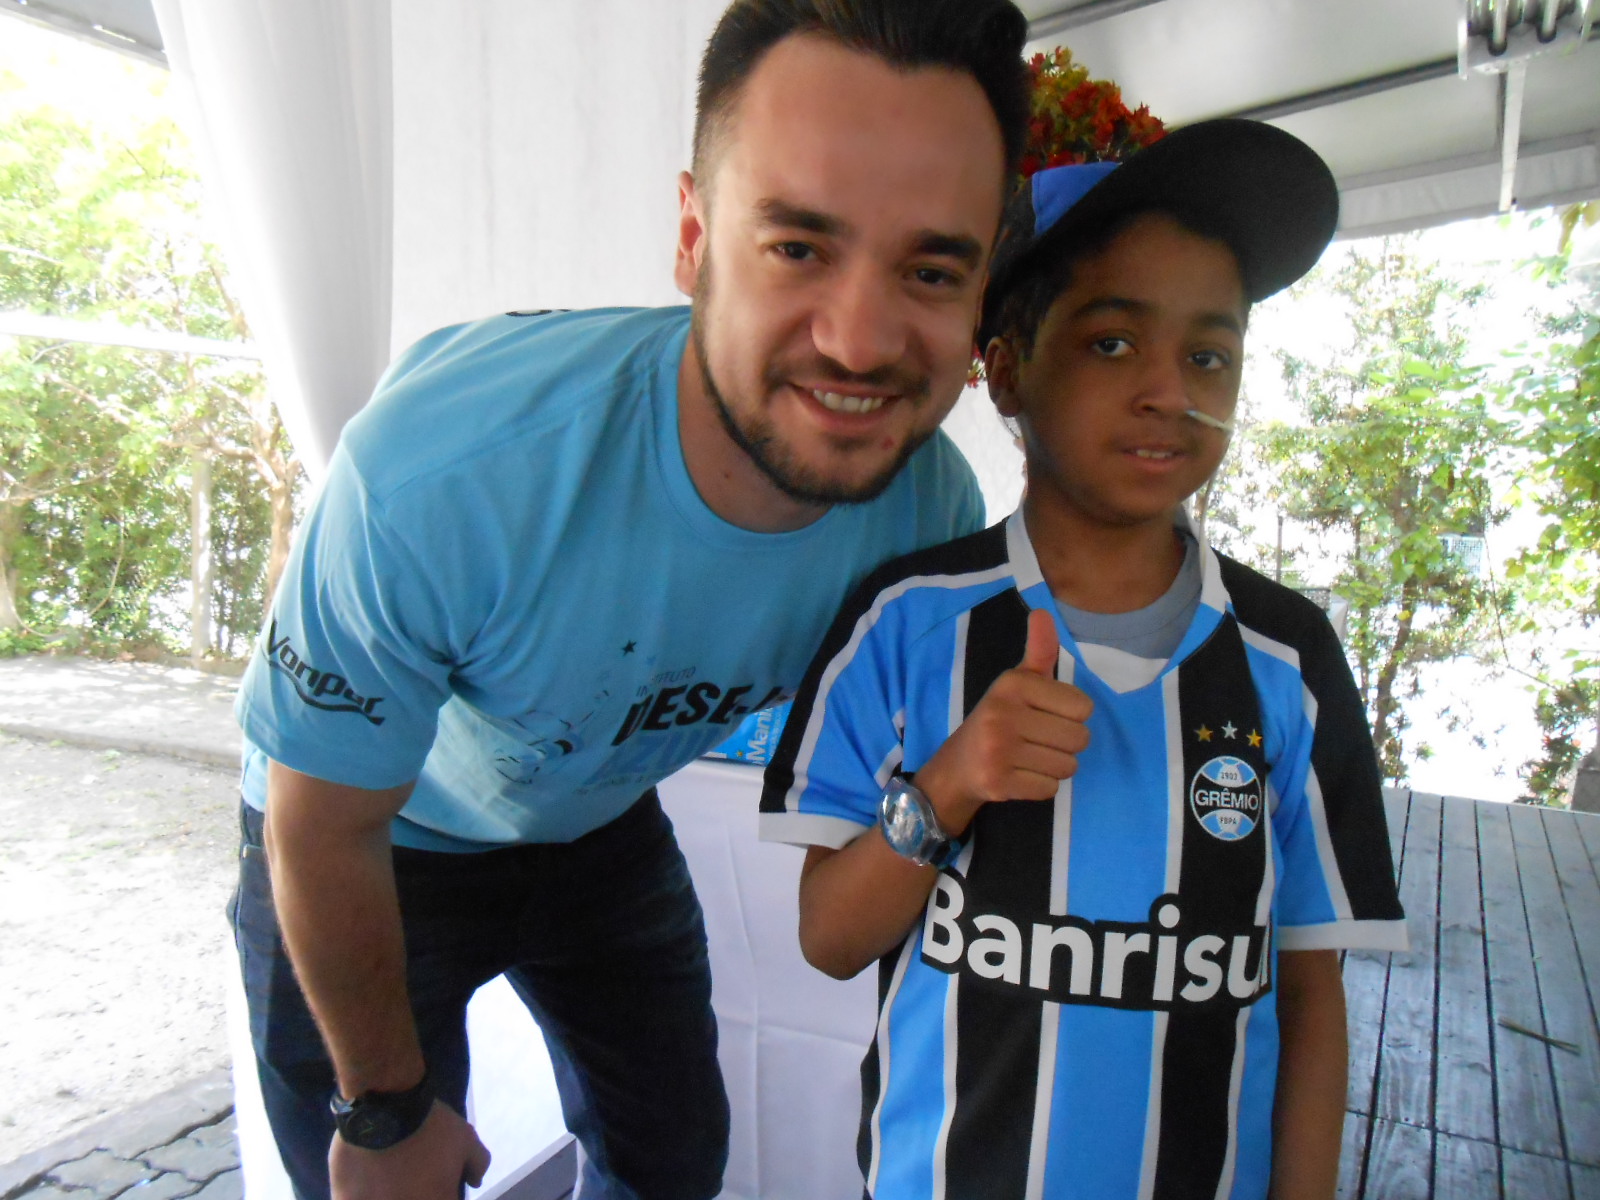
point(1044, 646)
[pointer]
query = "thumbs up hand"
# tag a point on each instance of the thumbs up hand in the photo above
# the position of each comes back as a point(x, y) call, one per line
point(1044, 645)
point(1020, 741)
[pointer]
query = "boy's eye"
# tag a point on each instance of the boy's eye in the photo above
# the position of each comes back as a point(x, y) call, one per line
point(795, 251)
point(1112, 347)
point(934, 277)
point(1211, 360)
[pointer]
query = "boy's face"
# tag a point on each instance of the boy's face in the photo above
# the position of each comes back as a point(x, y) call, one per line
point(1149, 327)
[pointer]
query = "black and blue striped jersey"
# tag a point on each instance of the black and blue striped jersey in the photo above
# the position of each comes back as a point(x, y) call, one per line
point(1087, 1008)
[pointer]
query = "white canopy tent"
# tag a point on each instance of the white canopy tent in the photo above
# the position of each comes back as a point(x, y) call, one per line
point(389, 166)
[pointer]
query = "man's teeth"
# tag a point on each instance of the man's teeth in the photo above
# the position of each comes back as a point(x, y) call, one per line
point(834, 402)
point(1157, 454)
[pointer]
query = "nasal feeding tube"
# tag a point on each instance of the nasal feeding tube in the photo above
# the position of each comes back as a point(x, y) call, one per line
point(1208, 419)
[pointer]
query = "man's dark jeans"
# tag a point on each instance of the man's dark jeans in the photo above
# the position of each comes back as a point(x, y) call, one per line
point(604, 941)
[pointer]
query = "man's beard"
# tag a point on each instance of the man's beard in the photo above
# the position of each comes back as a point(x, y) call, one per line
point(760, 441)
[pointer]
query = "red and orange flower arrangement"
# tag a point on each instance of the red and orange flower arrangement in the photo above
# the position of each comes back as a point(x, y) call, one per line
point(1076, 120)
point(1080, 120)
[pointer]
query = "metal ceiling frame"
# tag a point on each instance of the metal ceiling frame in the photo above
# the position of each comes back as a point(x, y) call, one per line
point(84, 30)
point(1085, 12)
point(1484, 21)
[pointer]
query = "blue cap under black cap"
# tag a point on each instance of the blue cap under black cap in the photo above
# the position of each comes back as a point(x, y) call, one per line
point(1262, 191)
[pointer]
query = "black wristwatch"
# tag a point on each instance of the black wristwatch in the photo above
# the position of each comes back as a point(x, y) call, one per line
point(378, 1120)
point(910, 826)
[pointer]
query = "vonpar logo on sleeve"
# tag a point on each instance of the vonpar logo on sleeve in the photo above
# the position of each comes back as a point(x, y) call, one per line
point(327, 690)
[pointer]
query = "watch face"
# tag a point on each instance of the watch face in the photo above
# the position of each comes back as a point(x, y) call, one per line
point(910, 827)
point(905, 827)
point(378, 1120)
point(371, 1128)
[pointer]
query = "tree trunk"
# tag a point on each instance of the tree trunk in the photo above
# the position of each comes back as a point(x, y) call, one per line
point(202, 565)
point(1384, 704)
point(282, 494)
point(10, 535)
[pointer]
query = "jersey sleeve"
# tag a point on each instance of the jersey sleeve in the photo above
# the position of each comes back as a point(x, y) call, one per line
point(843, 738)
point(1337, 889)
point(347, 680)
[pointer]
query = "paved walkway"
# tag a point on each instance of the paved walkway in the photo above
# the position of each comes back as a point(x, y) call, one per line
point(180, 1144)
point(137, 707)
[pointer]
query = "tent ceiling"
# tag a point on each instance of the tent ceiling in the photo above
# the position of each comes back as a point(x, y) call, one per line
point(125, 25)
point(1371, 84)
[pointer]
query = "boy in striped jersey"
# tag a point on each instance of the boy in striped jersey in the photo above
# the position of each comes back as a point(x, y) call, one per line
point(1101, 802)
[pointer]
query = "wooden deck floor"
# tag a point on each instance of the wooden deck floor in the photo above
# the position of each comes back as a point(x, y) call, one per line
point(1474, 1058)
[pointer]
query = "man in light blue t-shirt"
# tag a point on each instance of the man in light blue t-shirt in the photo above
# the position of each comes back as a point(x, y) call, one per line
point(559, 556)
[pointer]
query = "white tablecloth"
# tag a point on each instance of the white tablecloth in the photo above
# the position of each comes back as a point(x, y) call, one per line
point(791, 1039)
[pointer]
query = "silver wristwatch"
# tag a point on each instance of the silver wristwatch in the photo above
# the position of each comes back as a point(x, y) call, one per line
point(910, 826)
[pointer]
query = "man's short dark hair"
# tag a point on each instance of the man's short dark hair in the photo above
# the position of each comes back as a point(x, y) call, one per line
point(983, 38)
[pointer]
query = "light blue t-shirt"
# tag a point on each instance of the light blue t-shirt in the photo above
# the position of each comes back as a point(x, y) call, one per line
point(510, 590)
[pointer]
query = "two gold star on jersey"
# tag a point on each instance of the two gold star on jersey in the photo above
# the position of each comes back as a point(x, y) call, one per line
point(1229, 731)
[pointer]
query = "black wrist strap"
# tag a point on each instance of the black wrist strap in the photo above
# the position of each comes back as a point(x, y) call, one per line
point(377, 1120)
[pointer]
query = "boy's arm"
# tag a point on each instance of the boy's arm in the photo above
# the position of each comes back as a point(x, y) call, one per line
point(1308, 1114)
point(857, 902)
point(1018, 743)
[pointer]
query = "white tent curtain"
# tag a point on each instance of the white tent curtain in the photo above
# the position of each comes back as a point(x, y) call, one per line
point(537, 149)
point(295, 117)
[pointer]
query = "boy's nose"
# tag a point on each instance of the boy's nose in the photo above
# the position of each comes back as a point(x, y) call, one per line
point(859, 324)
point(1162, 387)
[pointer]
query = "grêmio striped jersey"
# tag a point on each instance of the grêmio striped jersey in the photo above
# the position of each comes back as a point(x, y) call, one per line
point(1087, 1007)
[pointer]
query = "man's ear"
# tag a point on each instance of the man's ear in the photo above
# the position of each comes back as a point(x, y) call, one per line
point(691, 234)
point(1001, 366)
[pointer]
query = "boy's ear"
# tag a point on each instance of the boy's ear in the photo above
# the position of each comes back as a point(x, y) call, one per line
point(1001, 364)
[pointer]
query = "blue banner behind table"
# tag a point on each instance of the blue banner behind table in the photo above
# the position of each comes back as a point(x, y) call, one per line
point(755, 739)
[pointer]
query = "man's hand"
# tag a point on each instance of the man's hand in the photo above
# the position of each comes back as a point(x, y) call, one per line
point(431, 1164)
point(1018, 743)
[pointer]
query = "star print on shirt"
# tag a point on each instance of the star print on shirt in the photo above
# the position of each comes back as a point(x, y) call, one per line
point(1203, 734)
point(1230, 731)
point(1254, 738)
point(630, 647)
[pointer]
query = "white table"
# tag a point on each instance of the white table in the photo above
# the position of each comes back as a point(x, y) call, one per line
point(791, 1039)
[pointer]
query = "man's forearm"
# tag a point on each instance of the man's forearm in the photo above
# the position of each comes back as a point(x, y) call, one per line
point(333, 885)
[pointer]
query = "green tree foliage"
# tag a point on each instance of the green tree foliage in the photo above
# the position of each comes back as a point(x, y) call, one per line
point(1556, 396)
point(100, 220)
point(1393, 465)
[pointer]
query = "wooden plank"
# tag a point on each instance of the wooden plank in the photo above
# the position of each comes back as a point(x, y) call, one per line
point(1396, 804)
point(1352, 1157)
point(1533, 1176)
point(1585, 1182)
point(1563, 995)
point(1406, 1048)
point(1400, 1162)
point(1464, 1101)
point(1464, 1169)
point(1366, 979)
point(1588, 826)
point(1580, 885)
point(1525, 1099)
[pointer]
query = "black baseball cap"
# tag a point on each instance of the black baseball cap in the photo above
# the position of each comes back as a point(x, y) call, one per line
point(1263, 192)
